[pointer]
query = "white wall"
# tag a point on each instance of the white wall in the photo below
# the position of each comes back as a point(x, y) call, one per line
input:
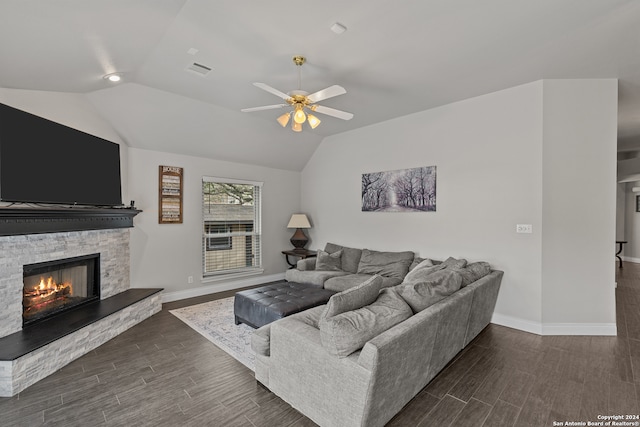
point(488, 153)
point(70, 109)
point(489, 156)
point(164, 255)
point(579, 201)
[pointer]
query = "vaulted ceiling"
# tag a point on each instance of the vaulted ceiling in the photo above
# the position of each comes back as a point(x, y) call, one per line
point(396, 58)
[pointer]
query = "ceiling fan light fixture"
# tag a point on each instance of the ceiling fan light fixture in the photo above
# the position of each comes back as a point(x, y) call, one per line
point(299, 116)
point(284, 119)
point(313, 121)
point(300, 100)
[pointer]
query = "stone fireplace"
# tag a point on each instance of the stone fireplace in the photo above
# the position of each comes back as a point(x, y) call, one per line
point(18, 251)
point(63, 270)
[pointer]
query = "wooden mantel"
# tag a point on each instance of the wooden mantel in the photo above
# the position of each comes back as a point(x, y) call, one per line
point(20, 221)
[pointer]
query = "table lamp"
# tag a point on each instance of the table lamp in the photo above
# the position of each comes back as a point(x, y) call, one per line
point(299, 239)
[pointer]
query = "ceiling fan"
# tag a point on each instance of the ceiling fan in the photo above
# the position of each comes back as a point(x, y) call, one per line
point(301, 100)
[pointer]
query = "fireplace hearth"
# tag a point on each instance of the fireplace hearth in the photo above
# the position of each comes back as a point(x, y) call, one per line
point(56, 286)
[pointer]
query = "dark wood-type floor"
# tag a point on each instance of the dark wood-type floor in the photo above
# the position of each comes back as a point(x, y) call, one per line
point(163, 373)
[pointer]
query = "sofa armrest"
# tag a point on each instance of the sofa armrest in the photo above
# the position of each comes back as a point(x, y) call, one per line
point(261, 340)
point(306, 264)
point(329, 390)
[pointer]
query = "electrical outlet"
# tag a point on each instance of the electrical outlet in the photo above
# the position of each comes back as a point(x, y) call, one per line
point(190, 279)
point(524, 228)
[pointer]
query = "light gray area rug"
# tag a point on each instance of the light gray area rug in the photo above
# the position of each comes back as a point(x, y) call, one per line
point(214, 321)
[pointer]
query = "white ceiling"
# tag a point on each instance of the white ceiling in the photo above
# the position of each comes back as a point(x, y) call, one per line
point(396, 58)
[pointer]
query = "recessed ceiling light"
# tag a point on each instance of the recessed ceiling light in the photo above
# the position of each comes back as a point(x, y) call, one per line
point(113, 77)
point(338, 28)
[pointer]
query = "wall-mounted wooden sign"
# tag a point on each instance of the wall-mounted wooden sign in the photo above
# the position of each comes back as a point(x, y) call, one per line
point(170, 195)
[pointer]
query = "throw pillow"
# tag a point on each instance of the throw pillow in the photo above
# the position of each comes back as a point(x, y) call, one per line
point(422, 294)
point(416, 262)
point(474, 271)
point(358, 296)
point(388, 264)
point(350, 256)
point(347, 332)
point(332, 247)
point(454, 263)
point(422, 270)
point(329, 262)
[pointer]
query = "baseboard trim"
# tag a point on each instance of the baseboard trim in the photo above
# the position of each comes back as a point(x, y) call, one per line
point(515, 323)
point(219, 287)
point(597, 329)
point(631, 259)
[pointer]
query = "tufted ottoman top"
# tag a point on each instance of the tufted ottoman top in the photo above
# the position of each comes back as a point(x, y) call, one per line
point(259, 306)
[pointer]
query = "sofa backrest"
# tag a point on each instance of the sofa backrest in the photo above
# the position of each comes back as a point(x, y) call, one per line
point(388, 264)
point(350, 256)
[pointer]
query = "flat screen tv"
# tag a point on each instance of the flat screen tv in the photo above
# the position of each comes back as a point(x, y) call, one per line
point(45, 162)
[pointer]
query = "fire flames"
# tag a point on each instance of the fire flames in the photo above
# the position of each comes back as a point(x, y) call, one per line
point(48, 290)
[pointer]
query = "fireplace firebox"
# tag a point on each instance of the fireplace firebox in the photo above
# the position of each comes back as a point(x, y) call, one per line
point(56, 286)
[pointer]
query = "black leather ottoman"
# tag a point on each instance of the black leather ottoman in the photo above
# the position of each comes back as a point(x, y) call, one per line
point(259, 306)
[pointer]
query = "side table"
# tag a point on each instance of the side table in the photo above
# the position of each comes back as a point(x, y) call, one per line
point(620, 245)
point(302, 254)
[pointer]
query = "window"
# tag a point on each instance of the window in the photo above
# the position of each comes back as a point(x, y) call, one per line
point(231, 226)
point(218, 243)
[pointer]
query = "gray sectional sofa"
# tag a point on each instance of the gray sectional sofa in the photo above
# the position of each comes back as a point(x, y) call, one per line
point(357, 360)
point(355, 266)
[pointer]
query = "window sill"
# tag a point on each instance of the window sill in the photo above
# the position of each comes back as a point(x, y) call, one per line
point(232, 275)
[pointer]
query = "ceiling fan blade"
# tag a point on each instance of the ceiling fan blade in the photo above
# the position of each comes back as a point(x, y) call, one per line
point(332, 112)
point(329, 92)
point(269, 89)
point(266, 107)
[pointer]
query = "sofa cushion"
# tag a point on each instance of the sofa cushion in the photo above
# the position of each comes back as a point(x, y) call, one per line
point(349, 331)
point(358, 296)
point(350, 256)
point(311, 316)
point(316, 278)
point(329, 261)
point(430, 289)
point(474, 271)
point(341, 283)
point(388, 264)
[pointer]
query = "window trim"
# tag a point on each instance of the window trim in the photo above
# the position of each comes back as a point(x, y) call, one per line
point(257, 231)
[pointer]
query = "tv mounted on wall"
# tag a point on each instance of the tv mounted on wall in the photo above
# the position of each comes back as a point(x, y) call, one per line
point(45, 162)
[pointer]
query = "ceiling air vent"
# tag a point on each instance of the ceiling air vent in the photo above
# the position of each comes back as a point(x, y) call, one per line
point(199, 69)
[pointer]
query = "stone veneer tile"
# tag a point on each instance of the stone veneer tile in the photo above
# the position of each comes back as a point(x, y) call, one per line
point(21, 373)
point(113, 246)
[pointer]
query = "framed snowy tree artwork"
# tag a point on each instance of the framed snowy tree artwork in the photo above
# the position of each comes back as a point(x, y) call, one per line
point(405, 190)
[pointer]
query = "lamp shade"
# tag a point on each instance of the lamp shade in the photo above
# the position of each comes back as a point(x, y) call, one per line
point(313, 121)
point(299, 221)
